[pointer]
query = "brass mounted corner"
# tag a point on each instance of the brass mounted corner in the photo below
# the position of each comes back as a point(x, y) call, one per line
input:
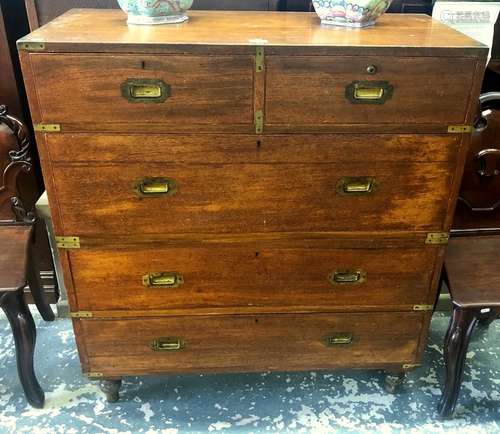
point(259, 122)
point(260, 62)
point(68, 242)
point(47, 128)
point(458, 129)
point(31, 46)
point(423, 307)
point(81, 314)
point(437, 238)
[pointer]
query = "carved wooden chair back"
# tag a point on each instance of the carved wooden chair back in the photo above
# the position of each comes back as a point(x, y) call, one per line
point(471, 264)
point(16, 164)
point(484, 158)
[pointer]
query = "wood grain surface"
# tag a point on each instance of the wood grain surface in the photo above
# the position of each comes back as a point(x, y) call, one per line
point(236, 198)
point(251, 342)
point(415, 33)
point(471, 263)
point(238, 278)
point(204, 89)
point(13, 256)
point(228, 148)
point(415, 99)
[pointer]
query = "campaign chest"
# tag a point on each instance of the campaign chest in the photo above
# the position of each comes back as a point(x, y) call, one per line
point(250, 191)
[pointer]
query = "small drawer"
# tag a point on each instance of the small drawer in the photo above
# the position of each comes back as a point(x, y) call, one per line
point(252, 278)
point(367, 90)
point(167, 89)
point(251, 342)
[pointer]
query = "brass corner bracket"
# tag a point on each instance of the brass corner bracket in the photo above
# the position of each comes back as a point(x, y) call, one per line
point(437, 238)
point(260, 59)
point(423, 307)
point(458, 129)
point(68, 242)
point(47, 128)
point(259, 122)
point(81, 314)
point(31, 46)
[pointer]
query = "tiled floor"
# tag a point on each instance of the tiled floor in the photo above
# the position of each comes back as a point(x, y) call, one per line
point(309, 402)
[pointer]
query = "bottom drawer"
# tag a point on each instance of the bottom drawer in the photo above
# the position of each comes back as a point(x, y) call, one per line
point(242, 343)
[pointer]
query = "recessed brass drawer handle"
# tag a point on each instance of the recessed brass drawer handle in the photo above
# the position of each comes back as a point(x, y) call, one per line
point(145, 90)
point(348, 185)
point(344, 277)
point(162, 280)
point(154, 187)
point(167, 344)
point(337, 339)
point(369, 92)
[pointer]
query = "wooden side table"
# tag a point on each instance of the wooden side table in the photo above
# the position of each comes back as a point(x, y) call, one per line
point(471, 266)
point(474, 283)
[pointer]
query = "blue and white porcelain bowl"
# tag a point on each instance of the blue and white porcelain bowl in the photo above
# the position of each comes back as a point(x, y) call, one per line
point(350, 13)
point(155, 11)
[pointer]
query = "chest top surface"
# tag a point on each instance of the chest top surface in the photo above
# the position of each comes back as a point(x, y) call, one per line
point(98, 30)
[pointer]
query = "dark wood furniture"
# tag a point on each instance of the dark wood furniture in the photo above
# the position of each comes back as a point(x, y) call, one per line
point(13, 25)
point(474, 283)
point(471, 266)
point(209, 222)
point(18, 264)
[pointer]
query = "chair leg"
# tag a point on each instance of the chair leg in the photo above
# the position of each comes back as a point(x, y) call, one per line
point(34, 281)
point(455, 349)
point(23, 329)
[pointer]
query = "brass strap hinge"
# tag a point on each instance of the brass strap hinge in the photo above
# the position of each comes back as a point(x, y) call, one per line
point(458, 129)
point(260, 59)
point(259, 122)
point(81, 314)
point(68, 242)
point(94, 374)
point(47, 128)
point(423, 307)
point(437, 238)
point(31, 46)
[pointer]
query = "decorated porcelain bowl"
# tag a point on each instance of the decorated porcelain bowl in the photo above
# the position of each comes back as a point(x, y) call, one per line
point(350, 13)
point(155, 11)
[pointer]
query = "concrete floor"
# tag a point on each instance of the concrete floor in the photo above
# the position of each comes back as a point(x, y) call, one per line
point(307, 402)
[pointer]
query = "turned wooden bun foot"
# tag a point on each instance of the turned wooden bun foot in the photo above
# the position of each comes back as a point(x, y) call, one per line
point(111, 389)
point(393, 381)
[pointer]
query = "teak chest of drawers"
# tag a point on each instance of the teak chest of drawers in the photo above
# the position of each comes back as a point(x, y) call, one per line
point(250, 191)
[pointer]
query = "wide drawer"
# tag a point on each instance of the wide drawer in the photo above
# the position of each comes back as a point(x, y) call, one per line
point(251, 278)
point(171, 90)
point(147, 198)
point(367, 90)
point(250, 343)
